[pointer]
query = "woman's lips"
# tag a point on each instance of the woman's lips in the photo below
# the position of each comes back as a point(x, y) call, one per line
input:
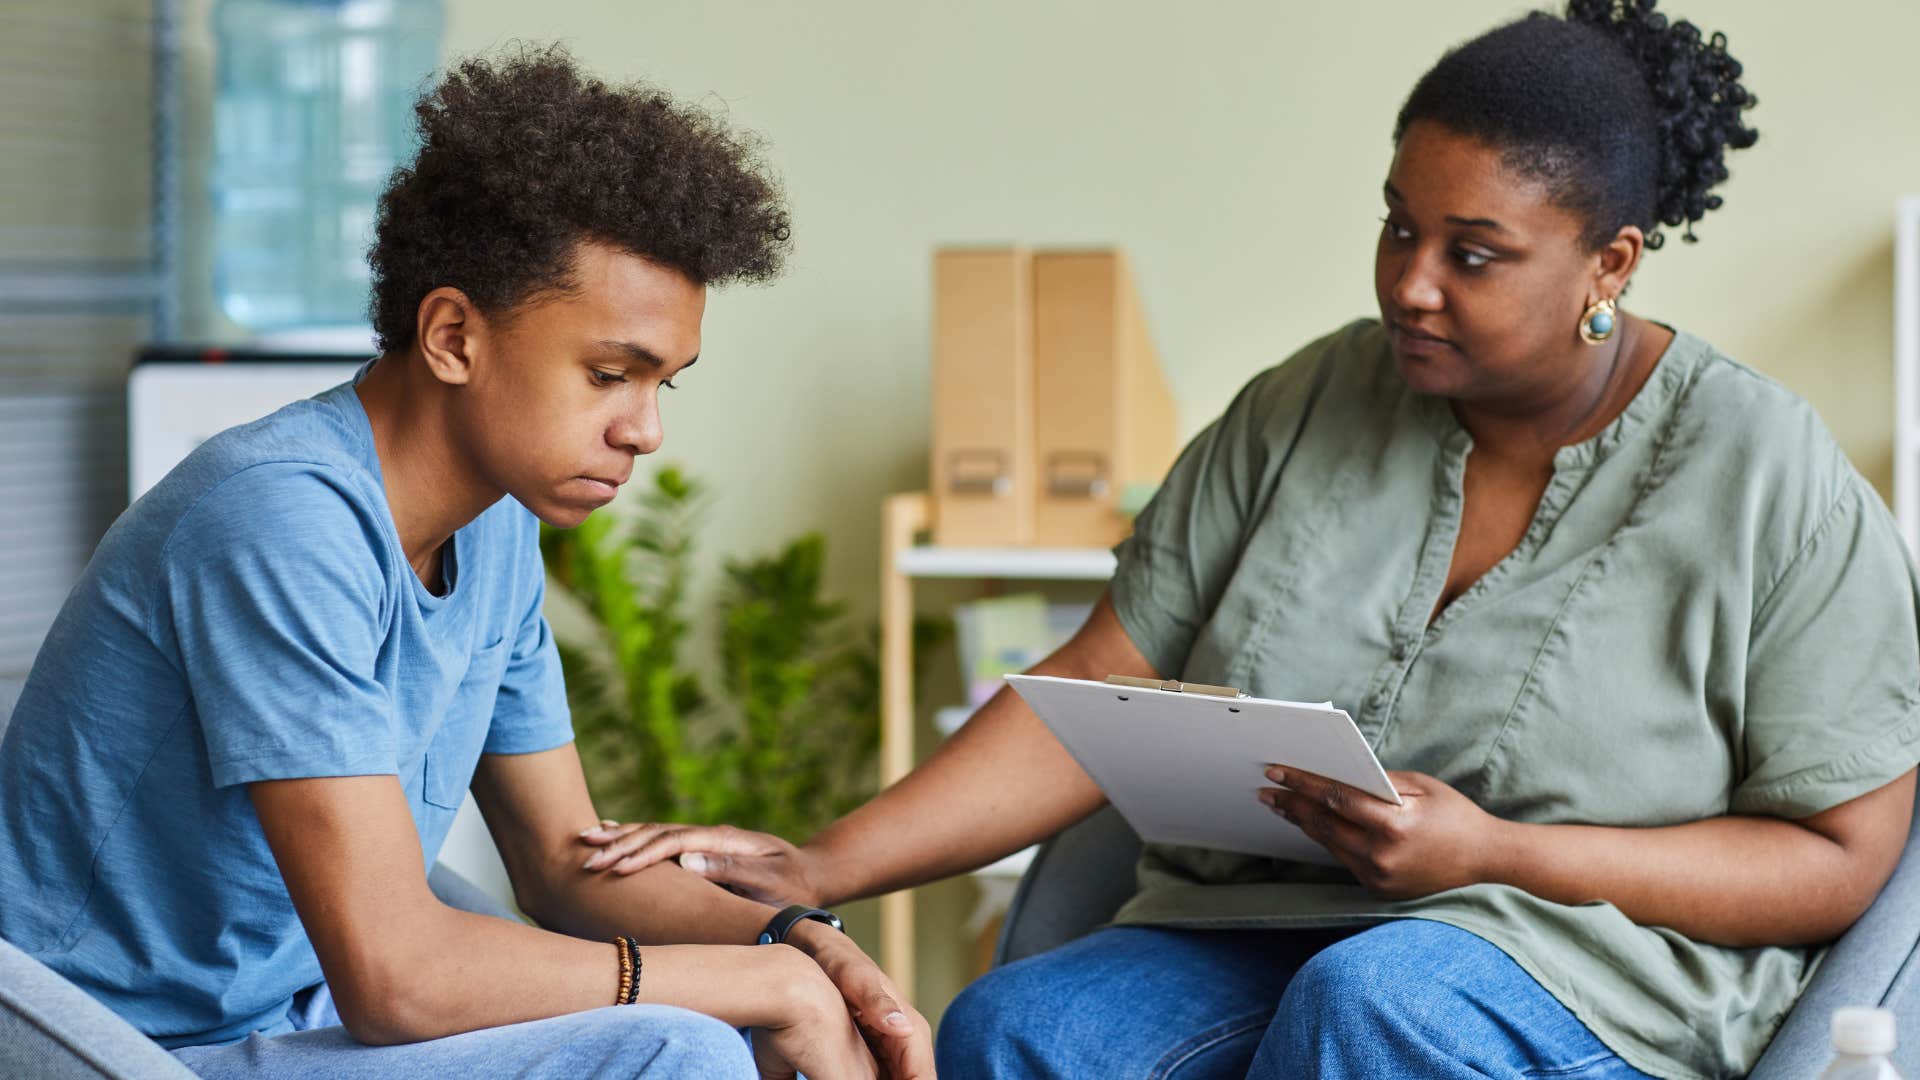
point(1411, 342)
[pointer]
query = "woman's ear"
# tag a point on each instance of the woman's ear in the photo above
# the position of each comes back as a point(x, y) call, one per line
point(449, 328)
point(1617, 261)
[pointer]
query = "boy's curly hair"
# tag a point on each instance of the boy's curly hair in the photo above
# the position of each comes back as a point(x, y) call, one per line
point(524, 156)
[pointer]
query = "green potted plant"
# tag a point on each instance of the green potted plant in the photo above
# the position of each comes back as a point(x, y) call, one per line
point(779, 734)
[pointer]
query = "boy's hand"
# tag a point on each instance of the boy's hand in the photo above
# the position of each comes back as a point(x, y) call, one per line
point(901, 1039)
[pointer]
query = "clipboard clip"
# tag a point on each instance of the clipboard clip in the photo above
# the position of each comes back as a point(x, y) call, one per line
point(1174, 686)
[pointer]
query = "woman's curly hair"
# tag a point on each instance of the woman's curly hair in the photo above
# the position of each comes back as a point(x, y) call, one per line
point(524, 156)
point(1625, 115)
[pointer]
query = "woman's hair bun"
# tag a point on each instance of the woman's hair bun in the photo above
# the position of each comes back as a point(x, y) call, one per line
point(1697, 96)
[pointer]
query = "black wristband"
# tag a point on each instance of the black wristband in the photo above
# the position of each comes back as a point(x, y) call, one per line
point(783, 923)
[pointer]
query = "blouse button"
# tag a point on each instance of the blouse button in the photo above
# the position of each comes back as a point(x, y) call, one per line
point(1379, 700)
point(1401, 651)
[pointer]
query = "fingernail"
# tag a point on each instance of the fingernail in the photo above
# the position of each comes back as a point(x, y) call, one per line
point(608, 822)
point(898, 1019)
point(1277, 774)
point(694, 862)
point(584, 833)
point(593, 861)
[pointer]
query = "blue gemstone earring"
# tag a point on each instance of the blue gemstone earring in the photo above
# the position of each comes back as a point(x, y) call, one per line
point(1597, 323)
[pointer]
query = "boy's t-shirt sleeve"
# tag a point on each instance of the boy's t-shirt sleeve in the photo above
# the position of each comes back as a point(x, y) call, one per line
point(530, 712)
point(272, 592)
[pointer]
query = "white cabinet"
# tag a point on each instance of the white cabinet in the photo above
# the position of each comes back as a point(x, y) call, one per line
point(1906, 368)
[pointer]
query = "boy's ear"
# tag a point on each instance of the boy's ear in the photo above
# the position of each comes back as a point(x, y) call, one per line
point(450, 330)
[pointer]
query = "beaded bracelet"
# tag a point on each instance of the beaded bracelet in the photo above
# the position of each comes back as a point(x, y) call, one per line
point(633, 953)
point(625, 996)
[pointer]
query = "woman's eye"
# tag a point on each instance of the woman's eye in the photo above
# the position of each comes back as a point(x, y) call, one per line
point(667, 384)
point(606, 378)
point(1395, 232)
point(1472, 260)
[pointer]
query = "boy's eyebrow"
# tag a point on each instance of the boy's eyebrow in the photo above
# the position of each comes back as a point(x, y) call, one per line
point(1393, 194)
point(642, 354)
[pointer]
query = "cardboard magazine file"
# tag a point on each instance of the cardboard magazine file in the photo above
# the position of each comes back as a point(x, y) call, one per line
point(983, 398)
point(1104, 417)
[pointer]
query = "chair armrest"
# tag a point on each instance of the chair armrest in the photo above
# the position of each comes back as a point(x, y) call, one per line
point(1077, 881)
point(51, 1029)
point(1877, 962)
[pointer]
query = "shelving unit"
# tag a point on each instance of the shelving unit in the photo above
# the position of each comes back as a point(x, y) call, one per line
point(1032, 564)
point(1906, 368)
point(903, 560)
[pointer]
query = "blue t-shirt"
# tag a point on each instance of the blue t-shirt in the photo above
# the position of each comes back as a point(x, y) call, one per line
point(253, 617)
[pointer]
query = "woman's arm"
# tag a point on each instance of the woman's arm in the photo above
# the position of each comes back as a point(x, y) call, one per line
point(1736, 881)
point(1000, 783)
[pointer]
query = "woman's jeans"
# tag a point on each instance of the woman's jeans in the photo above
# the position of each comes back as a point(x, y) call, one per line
point(1405, 999)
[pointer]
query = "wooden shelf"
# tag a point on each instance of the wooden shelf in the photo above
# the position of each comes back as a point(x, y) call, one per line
point(904, 518)
point(1039, 564)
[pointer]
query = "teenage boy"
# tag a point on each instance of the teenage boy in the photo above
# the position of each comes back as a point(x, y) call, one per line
point(248, 731)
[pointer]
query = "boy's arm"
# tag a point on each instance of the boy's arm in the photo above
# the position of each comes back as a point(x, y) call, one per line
point(536, 806)
point(403, 967)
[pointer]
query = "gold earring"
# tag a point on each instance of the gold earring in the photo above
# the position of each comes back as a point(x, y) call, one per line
point(1598, 322)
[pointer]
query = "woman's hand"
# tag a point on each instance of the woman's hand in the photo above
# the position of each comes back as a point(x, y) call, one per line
point(755, 865)
point(1435, 840)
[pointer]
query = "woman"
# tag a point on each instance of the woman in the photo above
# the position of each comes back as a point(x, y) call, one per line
point(1638, 642)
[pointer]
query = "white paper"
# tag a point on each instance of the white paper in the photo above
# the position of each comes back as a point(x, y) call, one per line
point(1187, 768)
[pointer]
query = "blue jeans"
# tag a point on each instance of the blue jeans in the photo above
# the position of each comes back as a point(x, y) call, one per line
point(1405, 999)
point(652, 1041)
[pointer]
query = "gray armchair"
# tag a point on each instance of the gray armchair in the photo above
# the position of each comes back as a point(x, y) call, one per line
point(1082, 876)
point(51, 1029)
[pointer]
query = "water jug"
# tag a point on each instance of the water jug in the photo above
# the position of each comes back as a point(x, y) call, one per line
point(312, 110)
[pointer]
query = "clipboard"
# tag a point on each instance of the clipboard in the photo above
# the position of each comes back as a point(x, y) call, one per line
point(1183, 762)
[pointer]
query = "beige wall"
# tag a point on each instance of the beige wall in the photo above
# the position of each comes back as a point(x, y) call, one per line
point(1235, 149)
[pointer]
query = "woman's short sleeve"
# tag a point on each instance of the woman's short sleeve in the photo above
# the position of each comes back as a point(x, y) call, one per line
point(1187, 542)
point(1832, 706)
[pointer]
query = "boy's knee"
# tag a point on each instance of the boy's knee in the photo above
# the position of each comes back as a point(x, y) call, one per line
point(675, 1041)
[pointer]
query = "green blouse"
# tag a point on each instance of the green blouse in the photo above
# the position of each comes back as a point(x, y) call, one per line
point(1711, 613)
